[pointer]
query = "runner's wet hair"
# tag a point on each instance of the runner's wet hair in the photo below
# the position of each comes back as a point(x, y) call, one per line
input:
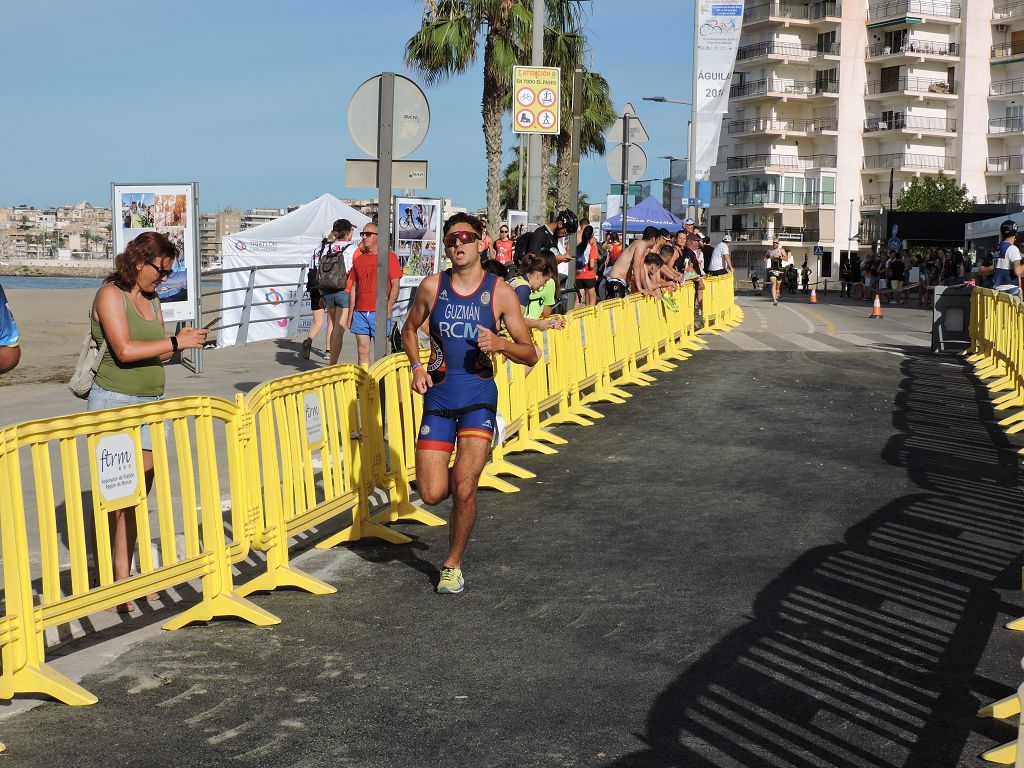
point(464, 218)
point(147, 247)
point(666, 252)
point(649, 233)
point(653, 258)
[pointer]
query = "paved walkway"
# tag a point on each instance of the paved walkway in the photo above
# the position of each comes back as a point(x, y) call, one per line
point(768, 558)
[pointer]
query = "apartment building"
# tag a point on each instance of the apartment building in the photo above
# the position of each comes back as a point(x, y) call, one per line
point(830, 100)
point(212, 229)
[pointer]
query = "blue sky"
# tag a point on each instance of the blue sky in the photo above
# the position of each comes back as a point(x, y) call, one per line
point(250, 98)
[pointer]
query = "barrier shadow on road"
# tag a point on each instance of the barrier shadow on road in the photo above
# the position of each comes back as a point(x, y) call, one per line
point(865, 652)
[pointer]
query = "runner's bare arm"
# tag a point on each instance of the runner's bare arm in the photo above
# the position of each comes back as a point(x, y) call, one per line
point(521, 349)
point(639, 273)
point(418, 314)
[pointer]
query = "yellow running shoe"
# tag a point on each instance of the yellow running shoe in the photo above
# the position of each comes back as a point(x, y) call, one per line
point(451, 581)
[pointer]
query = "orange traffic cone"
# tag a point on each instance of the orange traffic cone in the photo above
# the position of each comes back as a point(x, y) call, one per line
point(876, 311)
point(814, 297)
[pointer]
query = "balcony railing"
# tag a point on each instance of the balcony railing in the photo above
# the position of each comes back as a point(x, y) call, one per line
point(1006, 125)
point(762, 125)
point(1007, 9)
point(912, 84)
point(775, 197)
point(913, 46)
point(796, 50)
point(899, 121)
point(782, 234)
point(824, 9)
point(1006, 87)
point(913, 8)
point(1004, 50)
point(745, 162)
point(1004, 163)
point(763, 11)
point(1006, 198)
point(907, 160)
point(786, 87)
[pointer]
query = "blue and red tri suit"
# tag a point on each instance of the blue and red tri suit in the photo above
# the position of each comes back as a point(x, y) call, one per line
point(463, 398)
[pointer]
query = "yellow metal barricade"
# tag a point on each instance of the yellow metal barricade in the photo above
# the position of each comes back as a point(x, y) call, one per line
point(317, 445)
point(997, 352)
point(207, 442)
point(397, 428)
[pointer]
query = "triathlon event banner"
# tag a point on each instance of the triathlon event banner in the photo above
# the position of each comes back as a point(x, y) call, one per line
point(718, 36)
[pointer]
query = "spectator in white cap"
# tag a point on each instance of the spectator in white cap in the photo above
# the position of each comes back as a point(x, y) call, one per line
point(689, 226)
point(721, 262)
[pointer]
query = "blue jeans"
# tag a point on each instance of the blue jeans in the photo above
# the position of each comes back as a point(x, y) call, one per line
point(100, 399)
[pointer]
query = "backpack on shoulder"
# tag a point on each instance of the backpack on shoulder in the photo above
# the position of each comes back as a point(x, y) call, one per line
point(332, 274)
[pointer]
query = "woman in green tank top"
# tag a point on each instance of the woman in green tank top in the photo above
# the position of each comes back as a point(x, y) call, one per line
point(126, 313)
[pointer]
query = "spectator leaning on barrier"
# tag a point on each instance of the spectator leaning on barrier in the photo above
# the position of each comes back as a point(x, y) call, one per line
point(126, 314)
point(465, 308)
point(1007, 266)
point(721, 262)
point(10, 350)
point(362, 285)
point(632, 262)
point(543, 299)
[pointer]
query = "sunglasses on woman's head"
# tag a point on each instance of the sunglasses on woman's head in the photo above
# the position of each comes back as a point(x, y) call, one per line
point(460, 237)
point(164, 273)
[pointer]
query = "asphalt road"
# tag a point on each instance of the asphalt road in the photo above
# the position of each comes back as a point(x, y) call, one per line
point(777, 556)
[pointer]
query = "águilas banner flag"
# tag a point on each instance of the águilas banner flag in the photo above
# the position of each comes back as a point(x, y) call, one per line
point(718, 36)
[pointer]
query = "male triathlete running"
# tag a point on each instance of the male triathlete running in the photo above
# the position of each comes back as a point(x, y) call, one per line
point(632, 261)
point(465, 306)
point(775, 266)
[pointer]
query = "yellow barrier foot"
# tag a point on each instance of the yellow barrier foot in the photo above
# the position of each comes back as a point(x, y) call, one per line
point(1002, 709)
point(678, 355)
point(616, 392)
point(605, 397)
point(644, 377)
point(530, 445)
point(285, 576)
point(659, 365)
point(1015, 428)
point(1010, 419)
point(222, 607)
point(1012, 400)
point(1004, 755)
point(1017, 624)
point(709, 331)
point(548, 437)
point(496, 483)
point(502, 467)
point(47, 681)
point(407, 512)
point(571, 418)
point(364, 529)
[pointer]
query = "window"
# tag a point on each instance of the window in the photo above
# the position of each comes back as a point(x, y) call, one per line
point(827, 42)
point(895, 41)
point(890, 79)
point(828, 190)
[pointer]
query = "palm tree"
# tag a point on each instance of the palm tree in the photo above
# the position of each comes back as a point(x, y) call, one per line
point(447, 43)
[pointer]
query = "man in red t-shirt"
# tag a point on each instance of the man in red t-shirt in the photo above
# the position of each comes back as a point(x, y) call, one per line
point(504, 246)
point(362, 286)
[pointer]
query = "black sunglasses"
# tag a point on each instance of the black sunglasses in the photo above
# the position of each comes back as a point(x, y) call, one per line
point(164, 273)
point(367, 234)
point(460, 237)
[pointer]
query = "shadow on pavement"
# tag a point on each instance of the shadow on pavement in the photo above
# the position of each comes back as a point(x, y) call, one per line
point(865, 653)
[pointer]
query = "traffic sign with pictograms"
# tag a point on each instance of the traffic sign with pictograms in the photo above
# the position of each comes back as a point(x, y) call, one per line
point(537, 92)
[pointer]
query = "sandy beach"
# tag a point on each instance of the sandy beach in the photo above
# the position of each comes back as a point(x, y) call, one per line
point(52, 324)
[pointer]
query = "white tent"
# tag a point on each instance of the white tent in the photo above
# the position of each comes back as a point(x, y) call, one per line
point(289, 239)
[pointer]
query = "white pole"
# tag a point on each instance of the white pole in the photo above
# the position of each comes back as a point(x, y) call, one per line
point(534, 203)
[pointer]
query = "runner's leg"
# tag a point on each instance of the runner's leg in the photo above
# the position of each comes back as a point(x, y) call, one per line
point(363, 349)
point(465, 478)
point(432, 475)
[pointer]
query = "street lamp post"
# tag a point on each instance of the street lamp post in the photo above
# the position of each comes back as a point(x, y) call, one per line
point(691, 159)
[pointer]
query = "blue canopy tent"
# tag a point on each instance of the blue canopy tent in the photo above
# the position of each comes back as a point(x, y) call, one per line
point(647, 213)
